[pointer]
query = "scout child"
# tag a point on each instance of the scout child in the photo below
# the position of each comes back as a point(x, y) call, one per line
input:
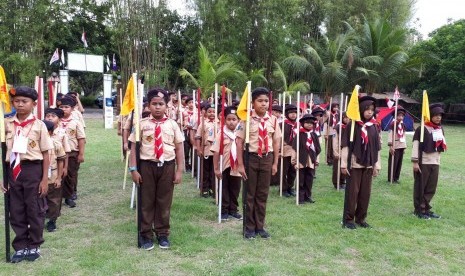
point(277, 111)
point(28, 145)
point(204, 139)
point(55, 172)
point(77, 111)
point(426, 159)
point(336, 151)
point(330, 131)
point(397, 147)
point(231, 178)
point(160, 147)
point(187, 117)
point(59, 166)
point(77, 140)
point(364, 163)
point(309, 149)
point(172, 108)
point(265, 139)
point(289, 132)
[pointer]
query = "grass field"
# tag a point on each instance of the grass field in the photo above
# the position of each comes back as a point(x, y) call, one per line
point(99, 236)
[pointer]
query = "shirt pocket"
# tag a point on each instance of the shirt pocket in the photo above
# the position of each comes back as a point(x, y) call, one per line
point(33, 139)
point(168, 136)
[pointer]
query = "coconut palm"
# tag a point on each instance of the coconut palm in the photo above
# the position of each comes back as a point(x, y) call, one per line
point(281, 81)
point(211, 71)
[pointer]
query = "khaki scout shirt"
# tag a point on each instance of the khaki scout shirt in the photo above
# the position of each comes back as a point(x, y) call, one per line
point(172, 111)
point(171, 135)
point(59, 134)
point(74, 130)
point(55, 154)
point(37, 135)
point(227, 143)
point(207, 137)
point(432, 158)
point(400, 143)
point(127, 123)
point(272, 127)
point(77, 115)
point(187, 116)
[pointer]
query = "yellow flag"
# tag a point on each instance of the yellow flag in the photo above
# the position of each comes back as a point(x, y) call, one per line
point(4, 96)
point(425, 107)
point(128, 102)
point(244, 105)
point(353, 110)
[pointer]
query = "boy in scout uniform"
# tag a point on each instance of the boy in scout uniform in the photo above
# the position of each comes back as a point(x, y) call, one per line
point(187, 119)
point(204, 138)
point(265, 139)
point(290, 132)
point(231, 178)
point(28, 145)
point(309, 149)
point(77, 140)
point(426, 159)
point(365, 164)
point(160, 147)
point(55, 172)
point(397, 147)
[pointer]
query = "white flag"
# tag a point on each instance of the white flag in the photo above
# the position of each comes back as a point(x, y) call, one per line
point(108, 64)
point(55, 57)
point(63, 57)
point(84, 40)
point(396, 94)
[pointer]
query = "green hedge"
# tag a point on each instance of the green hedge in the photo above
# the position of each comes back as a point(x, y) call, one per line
point(88, 101)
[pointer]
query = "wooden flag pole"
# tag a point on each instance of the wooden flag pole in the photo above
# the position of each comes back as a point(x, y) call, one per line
point(220, 188)
point(339, 144)
point(279, 98)
point(126, 164)
point(198, 125)
point(192, 150)
point(394, 141)
point(215, 131)
point(5, 170)
point(281, 170)
point(327, 130)
point(121, 124)
point(297, 186)
point(246, 159)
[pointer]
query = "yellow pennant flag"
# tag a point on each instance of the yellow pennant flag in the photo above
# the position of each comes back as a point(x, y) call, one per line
point(4, 96)
point(425, 107)
point(128, 102)
point(353, 110)
point(244, 105)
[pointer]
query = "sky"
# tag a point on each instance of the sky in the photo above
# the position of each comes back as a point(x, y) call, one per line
point(432, 14)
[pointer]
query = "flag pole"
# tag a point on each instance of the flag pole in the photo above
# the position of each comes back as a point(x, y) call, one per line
point(181, 121)
point(121, 120)
point(246, 159)
point(201, 150)
point(136, 115)
point(339, 144)
point(281, 170)
point(215, 129)
point(220, 189)
point(327, 129)
point(192, 150)
point(297, 186)
point(197, 151)
point(394, 140)
point(6, 200)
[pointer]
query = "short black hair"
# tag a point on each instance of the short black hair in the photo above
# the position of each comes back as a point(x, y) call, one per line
point(157, 92)
point(260, 91)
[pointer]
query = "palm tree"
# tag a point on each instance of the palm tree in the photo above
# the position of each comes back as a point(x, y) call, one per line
point(211, 71)
point(281, 81)
point(324, 63)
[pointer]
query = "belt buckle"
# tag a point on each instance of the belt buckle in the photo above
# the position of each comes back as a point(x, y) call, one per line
point(160, 164)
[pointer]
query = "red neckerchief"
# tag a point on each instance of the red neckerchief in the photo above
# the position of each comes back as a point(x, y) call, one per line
point(309, 142)
point(400, 129)
point(334, 115)
point(364, 132)
point(158, 138)
point(65, 122)
point(293, 125)
point(15, 159)
point(439, 143)
point(262, 134)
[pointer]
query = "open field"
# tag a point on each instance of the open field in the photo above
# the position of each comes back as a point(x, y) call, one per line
point(99, 236)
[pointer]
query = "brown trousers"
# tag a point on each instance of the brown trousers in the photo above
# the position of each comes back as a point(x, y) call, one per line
point(425, 184)
point(157, 195)
point(54, 198)
point(329, 151)
point(335, 169)
point(27, 209)
point(398, 156)
point(258, 186)
point(289, 174)
point(275, 179)
point(188, 149)
point(231, 188)
point(70, 182)
point(306, 176)
point(358, 195)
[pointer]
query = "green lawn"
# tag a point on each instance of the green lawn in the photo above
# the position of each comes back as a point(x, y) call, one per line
point(99, 236)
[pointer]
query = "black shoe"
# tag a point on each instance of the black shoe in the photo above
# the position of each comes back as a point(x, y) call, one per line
point(286, 194)
point(74, 196)
point(302, 202)
point(211, 193)
point(364, 225)
point(33, 254)
point(51, 226)
point(422, 216)
point(309, 200)
point(205, 194)
point(263, 234)
point(70, 202)
point(249, 235)
point(147, 244)
point(349, 225)
point(433, 215)
point(291, 192)
point(236, 215)
point(19, 255)
point(163, 242)
point(224, 217)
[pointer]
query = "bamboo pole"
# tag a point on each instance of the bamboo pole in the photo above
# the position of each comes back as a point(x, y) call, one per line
point(394, 141)
point(282, 149)
point(297, 186)
point(339, 144)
